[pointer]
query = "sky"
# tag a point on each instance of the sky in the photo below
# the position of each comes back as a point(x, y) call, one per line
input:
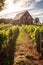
point(12, 7)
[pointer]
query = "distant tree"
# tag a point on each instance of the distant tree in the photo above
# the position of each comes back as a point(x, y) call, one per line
point(4, 20)
point(2, 2)
point(36, 20)
point(42, 22)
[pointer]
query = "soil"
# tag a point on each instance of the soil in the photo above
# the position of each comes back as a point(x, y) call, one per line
point(27, 54)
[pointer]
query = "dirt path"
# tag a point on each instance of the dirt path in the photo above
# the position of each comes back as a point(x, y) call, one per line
point(25, 52)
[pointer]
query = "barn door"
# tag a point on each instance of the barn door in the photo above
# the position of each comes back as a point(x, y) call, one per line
point(26, 21)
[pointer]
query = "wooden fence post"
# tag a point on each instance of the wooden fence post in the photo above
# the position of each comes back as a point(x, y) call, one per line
point(37, 38)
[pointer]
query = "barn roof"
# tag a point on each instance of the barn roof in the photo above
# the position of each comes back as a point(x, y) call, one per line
point(19, 15)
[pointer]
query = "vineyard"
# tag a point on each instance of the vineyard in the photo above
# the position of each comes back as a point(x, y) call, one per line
point(8, 35)
point(11, 36)
point(31, 30)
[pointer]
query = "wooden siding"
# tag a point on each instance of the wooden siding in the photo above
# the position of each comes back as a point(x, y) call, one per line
point(24, 19)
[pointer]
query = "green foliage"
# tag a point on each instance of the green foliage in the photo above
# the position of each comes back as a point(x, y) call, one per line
point(36, 21)
point(2, 2)
point(8, 35)
point(2, 37)
point(31, 30)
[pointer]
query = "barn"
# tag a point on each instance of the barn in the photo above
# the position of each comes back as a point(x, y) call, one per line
point(22, 18)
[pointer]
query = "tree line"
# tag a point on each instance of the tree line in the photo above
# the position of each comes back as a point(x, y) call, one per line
point(9, 20)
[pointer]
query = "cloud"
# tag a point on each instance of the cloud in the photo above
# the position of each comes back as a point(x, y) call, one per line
point(15, 1)
point(37, 12)
point(37, 0)
point(20, 5)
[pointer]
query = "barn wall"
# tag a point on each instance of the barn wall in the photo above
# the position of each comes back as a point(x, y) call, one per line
point(26, 19)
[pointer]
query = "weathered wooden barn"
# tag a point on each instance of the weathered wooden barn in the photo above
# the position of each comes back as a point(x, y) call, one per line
point(22, 18)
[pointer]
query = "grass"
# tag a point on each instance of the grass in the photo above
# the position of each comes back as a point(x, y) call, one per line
point(22, 38)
